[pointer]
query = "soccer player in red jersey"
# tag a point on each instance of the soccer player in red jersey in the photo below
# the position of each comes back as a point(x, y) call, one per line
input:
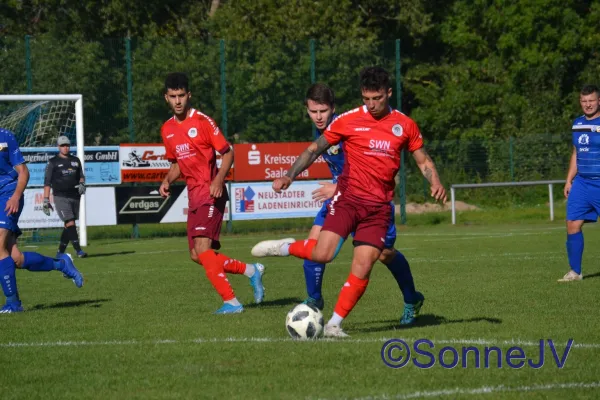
point(374, 136)
point(191, 139)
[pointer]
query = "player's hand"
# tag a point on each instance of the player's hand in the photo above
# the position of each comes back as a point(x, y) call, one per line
point(216, 188)
point(165, 189)
point(12, 206)
point(81, 188)
point(325, 192)
point(282, 183)
point(567, 189)
point(47, 207)
point(438, 192)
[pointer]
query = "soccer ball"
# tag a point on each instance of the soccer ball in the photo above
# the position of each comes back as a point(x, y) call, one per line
point(304, 322)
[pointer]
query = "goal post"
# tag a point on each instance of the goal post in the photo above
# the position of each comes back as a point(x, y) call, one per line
point(77, 99)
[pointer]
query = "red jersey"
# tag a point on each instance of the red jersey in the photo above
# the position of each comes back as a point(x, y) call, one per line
point(373, 149)
point(192, 144)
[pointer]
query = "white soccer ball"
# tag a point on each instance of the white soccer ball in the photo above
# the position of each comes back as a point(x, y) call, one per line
point(304, 322)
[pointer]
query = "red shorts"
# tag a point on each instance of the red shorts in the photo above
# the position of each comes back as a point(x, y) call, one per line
point(205, 220)
point(370, 222)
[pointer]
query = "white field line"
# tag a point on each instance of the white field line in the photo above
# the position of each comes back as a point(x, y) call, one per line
point(483, 390)
point(464, 342)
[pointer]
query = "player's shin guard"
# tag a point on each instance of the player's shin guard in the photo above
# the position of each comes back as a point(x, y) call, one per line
point(303, 248)
point(313, 275)
point(400, 269)
point(230, 265)
point(351, 293)
point(575, 251)
point(8, 279)
point(216, 274)
point(35, 262)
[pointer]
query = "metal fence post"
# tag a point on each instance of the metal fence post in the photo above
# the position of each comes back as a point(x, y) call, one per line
point(402, 154)
point(129, 89)
point(313, 61)
point(28, 73)
point(452, 200)
point(223, 88)
point(551, 196)
point(512, 161)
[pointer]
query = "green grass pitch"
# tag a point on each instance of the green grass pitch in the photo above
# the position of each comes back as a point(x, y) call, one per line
point(142, 327)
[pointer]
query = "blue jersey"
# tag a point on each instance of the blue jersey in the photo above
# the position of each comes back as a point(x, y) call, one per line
point(586, 139)
point(10, 157)
point(334, 157)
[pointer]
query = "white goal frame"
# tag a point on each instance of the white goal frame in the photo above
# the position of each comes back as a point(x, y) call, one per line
point(78, 99)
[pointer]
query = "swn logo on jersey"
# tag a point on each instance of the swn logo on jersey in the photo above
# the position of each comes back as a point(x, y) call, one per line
point(379, 144)
point(182, 148)
point(143, 205)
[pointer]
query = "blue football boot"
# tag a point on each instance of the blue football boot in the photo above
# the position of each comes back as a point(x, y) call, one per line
point(12, 307)
point(229, 309)
point(256, 283)
point(411, 311)
point(69, 270)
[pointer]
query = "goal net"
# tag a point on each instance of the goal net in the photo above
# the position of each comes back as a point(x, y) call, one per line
point(37, 121)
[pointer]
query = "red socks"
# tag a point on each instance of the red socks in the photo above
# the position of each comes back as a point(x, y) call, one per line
point(303, 248)
point(213, 266)
point(351, 292)
point(230, 265)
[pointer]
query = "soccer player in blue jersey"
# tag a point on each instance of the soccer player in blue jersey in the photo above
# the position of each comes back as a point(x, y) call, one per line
point(14, 176)
point(320, 106)
point(582, 187)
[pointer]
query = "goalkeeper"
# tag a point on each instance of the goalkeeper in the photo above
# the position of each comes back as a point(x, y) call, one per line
point(65, 176)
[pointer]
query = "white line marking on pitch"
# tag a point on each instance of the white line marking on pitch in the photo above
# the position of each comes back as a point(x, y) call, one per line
point(483, 390)
point(481, 342)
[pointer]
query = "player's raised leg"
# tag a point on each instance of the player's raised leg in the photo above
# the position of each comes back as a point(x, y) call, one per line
point(35, 262)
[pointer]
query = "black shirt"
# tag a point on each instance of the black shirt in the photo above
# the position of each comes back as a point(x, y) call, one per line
point(62, 175)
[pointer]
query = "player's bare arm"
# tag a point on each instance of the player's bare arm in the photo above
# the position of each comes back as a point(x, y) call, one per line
point(325, 191)
point(12, 205)
point(172, 176)
point(305, 160)
point(571, 173)
point(427, 167)
point(216, 186)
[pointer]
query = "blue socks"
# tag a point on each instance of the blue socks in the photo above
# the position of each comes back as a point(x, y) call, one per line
point(313, 275)
point(401, 271)
point(575, 250)
point(36, 262)
point(8, 280)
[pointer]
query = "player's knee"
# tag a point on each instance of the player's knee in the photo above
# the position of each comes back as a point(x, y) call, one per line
point(18, 258)
point(323, 255)
point(387, 255)
point(574, 227)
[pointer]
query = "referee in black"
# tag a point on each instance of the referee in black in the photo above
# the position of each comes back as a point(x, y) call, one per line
point(65, 176)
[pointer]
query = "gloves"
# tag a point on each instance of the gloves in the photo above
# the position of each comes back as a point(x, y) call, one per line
point(81, 188)
point(47, 207)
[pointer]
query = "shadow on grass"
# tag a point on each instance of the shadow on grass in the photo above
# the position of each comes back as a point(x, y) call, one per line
point(423, 320)
point(286, 301)
point(590, 276)
point(118, 253)
point(69, 304)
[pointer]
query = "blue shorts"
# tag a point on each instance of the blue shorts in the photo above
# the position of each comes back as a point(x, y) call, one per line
point(583, 202)
point(390, 235)
point(10, 222)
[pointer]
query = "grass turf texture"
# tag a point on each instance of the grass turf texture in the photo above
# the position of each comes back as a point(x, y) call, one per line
point(142, 326)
